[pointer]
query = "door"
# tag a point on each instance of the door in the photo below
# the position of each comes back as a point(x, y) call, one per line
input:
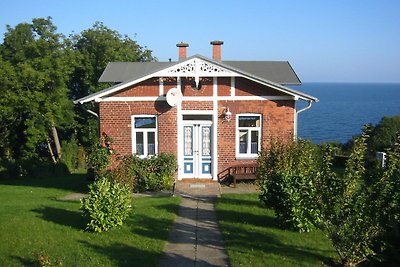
point(197, 149)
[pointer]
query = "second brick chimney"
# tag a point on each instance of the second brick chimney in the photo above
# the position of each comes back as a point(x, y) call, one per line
point(182, 50)
point(217, 49)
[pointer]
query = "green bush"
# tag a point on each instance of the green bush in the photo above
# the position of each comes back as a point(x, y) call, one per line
point(383, 135)
point(286, 174)
point(107, 205)
point(73, 155)
point(360, 211)
point(124, 173)
point(154, 173)
point(99, 156)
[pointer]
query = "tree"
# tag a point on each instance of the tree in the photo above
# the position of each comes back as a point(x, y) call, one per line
point(285, 174)
point(92, 49)
point(360, 211)
point(383, 135)
point(35, 101)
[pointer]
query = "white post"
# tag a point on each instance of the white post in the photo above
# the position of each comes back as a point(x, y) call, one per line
point(215, 130)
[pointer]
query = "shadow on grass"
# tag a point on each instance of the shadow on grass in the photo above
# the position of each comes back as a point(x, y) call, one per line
point(64, 217)
point(25, 261)
point(251, 230)
point(125, 255)
point(69, 182)
point(151, 227)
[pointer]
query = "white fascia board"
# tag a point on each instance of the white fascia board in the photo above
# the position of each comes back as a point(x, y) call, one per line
point(193, 98)
point(98, 97)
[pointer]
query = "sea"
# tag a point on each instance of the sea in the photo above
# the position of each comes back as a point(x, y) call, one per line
point(344, 108)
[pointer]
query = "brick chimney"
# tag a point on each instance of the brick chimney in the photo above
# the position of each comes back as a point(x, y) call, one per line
point(217, 49)
point(182, 50)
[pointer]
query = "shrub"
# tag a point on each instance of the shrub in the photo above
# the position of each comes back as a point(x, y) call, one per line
point(285, 175)
point(360, 211)
point(99, 157)
point(383, 135)
point(73, 155)
point(154, 173)
point(42, 259)
point(107, 205)
point(124, 173)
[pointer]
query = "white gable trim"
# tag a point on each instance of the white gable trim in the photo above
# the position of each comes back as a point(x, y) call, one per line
point(196, 67)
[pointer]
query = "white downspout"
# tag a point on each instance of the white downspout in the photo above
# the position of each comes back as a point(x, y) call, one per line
point(297, 115)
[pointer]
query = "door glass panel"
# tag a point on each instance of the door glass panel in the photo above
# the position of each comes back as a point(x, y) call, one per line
point(188, 143)
point(243, 139)
point(139, 143)
point(151, 143)
point(206, 140)
point(254, 142)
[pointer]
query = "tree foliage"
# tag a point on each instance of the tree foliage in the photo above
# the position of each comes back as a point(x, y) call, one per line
point(285, 175)
point(91, 50)
point(41, 72)
point(360, 212)
point(383, 135)
point(35, 95)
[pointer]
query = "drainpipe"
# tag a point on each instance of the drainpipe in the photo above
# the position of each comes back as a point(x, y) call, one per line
point(91, 112)
point(297, 115)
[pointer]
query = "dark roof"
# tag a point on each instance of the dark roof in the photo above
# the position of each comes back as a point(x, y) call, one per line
point(128, 73)
point(276, 71)
point(117, 72)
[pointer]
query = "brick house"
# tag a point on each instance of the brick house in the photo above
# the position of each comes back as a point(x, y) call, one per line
point(212, 114)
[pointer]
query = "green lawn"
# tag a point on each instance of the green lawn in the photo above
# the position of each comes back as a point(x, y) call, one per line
point(32, 221)
point(253, 237)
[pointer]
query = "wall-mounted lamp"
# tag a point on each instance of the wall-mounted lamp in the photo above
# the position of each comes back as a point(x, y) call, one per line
point(227, 114)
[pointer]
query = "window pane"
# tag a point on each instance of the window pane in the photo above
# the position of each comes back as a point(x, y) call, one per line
point(254, 142)
point(139, 143)
point(249, 121)
point(151, 143)
point(243, 137)
point(148, 122)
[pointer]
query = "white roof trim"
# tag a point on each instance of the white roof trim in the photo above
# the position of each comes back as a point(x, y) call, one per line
point(196, 66)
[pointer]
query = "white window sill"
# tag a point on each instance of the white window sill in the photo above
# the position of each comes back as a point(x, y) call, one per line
point(244, 157)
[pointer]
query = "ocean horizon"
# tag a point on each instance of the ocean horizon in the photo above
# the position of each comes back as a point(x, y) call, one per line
point(344, 108)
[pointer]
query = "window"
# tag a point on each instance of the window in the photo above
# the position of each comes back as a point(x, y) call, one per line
point(144, 135)
point(248, 135)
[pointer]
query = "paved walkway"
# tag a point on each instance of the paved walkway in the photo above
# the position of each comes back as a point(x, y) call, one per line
point(195, 239)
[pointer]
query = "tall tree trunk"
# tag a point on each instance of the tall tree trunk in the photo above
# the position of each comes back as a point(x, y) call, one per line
point(56, 140)
point(51, 151)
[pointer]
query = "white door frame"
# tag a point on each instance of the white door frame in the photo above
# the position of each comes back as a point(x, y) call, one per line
point(197, 161)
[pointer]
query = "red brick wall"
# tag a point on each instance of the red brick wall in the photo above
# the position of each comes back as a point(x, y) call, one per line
point(277, 123)
point(246, 87)
point(146, 88)
point(205, 90)
point(277, 116)
point(224, 86)
point(115, 119)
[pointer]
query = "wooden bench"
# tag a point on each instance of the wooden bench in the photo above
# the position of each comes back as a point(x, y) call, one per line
point(243, 172)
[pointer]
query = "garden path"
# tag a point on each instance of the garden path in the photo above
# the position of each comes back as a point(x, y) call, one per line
point(195, 239)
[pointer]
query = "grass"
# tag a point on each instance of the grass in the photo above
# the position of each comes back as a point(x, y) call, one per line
point(253, 237)
point(33, 221)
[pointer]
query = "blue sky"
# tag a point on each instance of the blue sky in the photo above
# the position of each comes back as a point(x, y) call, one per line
point(328, 41)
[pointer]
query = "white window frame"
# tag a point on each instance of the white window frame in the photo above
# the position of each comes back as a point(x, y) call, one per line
point(144, 131)
point(248, 155)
